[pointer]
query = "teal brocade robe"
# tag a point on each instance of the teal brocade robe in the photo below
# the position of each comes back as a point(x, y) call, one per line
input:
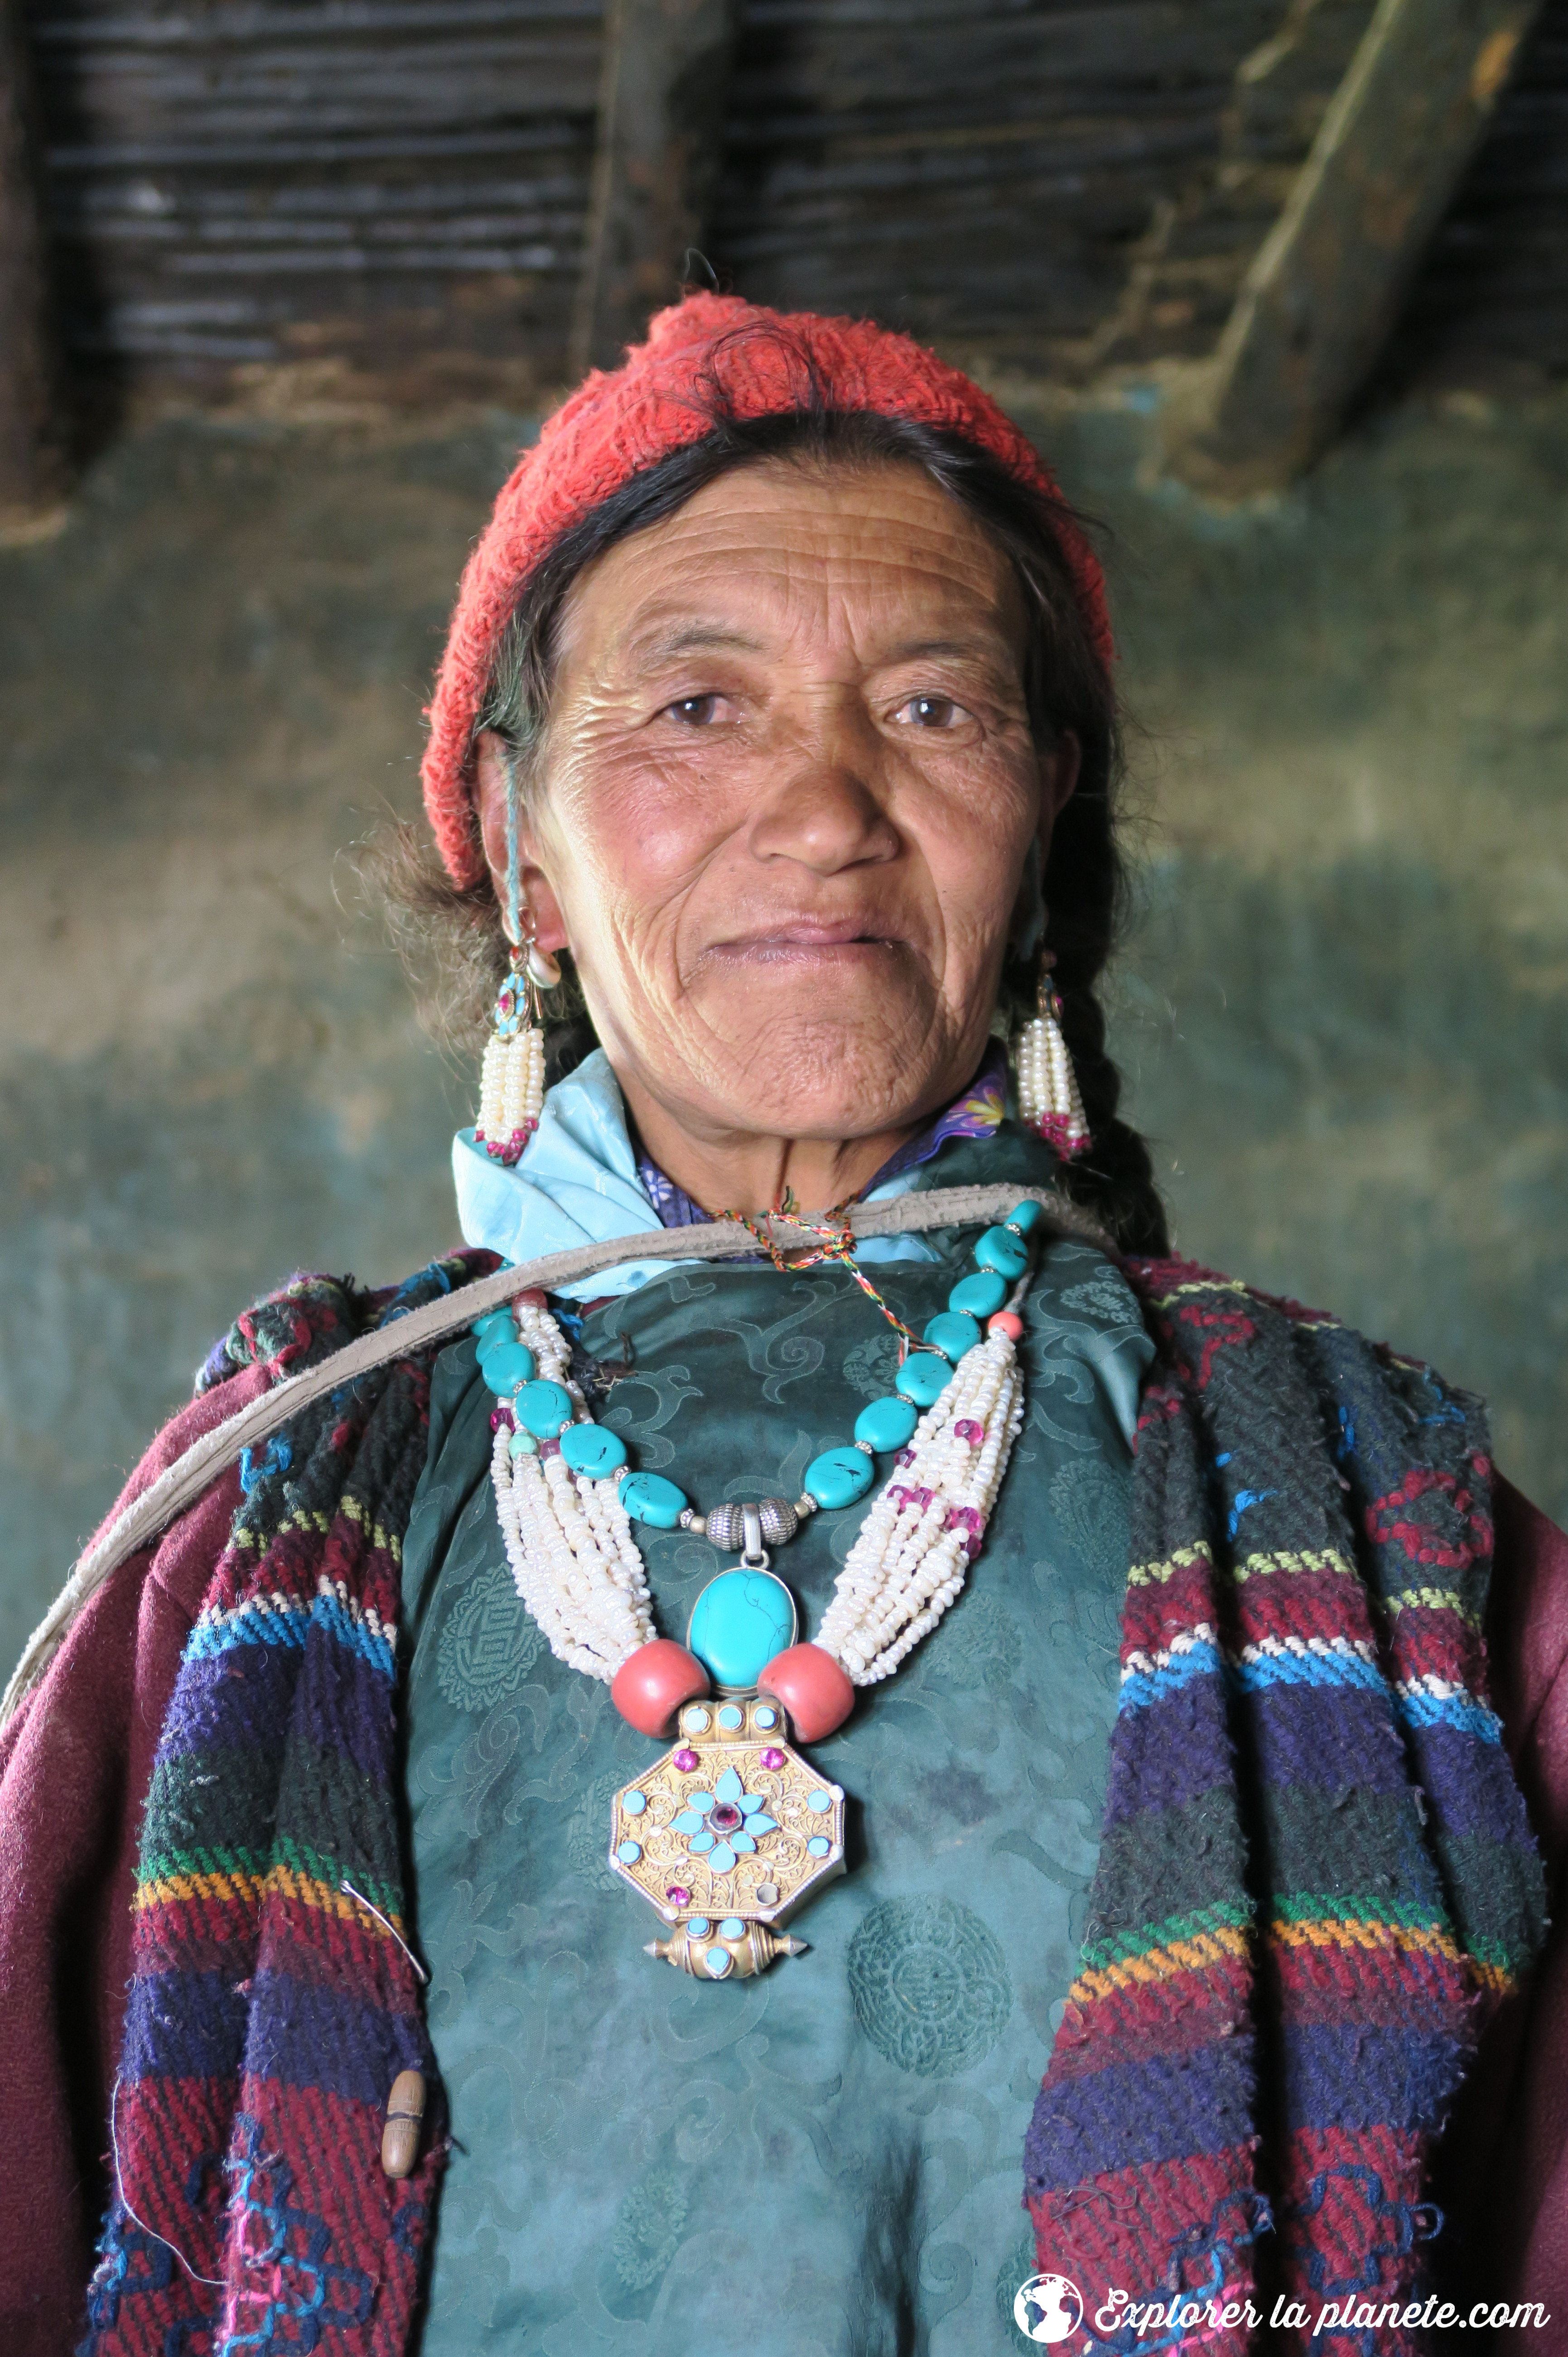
point(823, 2160)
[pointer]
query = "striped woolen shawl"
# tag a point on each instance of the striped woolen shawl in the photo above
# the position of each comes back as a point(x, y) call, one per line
point(1315, 1879)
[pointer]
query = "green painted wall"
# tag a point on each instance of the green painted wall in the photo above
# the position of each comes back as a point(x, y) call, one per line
point(1343, 1012)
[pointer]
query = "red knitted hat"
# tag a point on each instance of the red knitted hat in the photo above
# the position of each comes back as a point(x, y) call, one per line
point(657, 401)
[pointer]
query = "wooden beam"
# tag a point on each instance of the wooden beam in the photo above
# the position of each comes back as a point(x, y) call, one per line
point(662, 109)
point(1324, 289)
point(32, 439)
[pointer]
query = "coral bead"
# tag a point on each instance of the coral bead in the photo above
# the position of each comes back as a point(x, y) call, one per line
point(1008, 1322)
point(652, 1683)
point(812, 1687)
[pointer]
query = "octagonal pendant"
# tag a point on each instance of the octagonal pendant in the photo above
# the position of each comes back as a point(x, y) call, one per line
point(727, 1835)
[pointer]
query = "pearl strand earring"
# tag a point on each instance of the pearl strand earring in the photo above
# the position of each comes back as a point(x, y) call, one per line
point(511, 1080)
point(1048, 1099)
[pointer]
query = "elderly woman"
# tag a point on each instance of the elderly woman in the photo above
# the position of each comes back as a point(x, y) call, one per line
point(809, 1685)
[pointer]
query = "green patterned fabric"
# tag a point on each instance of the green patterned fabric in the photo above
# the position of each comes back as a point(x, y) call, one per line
point(823, 2160)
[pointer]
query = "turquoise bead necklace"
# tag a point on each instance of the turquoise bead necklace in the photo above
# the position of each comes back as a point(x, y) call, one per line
point(705, 1855)
point(541, 1411)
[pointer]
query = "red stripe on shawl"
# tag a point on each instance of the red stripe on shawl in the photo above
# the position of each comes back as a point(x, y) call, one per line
point(1104, 2234)
point(159, 2124)
point(1179, 2013)
point(1357, 2191)
point(1303, 1604)
point(1337, 1980)
point(310, 2187)
point(1158, 1611)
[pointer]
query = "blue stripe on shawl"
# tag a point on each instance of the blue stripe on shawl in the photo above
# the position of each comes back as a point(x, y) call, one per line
point(330, 1613)
point(1339, 1667)
point(1127, 2115)
point(310, 2036)
point(1359, 2075)
point(1144, 1687)
point(289, 1625)
point(1462, 1712)
point(184, 2026)
point(279, 1625)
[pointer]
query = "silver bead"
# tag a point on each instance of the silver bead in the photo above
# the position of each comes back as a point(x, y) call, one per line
point(779, 1520)
point(805, 1505)
point(725, 1526)
point(689, 1520)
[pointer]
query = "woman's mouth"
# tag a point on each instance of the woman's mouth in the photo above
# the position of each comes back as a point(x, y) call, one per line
point(807, 940)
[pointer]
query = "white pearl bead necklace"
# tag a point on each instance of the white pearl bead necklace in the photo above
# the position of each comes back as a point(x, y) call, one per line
point(581, 1576)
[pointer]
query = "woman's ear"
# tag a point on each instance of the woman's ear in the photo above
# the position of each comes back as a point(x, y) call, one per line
point(493, 763)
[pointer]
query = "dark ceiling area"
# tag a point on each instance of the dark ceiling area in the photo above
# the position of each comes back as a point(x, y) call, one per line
point(402, 188)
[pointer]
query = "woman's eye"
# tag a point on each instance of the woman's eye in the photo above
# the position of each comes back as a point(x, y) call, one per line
point(695, 711)
point(930, 712)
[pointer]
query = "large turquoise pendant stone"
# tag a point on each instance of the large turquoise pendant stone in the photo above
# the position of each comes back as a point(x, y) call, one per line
point(837, 1476)
point(739, 1621)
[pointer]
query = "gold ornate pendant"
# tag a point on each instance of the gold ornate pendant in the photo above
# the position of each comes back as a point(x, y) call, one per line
point(727, 1835)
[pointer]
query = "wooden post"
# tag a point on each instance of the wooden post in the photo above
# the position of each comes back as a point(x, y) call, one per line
point(32, 439)
point(1324, 291)
point(661, 108)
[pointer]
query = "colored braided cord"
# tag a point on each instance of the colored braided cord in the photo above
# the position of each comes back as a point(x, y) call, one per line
point(837, 1244)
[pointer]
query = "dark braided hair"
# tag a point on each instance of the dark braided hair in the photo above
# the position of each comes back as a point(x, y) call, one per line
point(1067, 687)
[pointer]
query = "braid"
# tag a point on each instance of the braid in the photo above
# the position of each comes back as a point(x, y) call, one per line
point(1115, 1176)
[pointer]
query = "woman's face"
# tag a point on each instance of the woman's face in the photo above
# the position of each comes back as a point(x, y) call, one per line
point(784, 800)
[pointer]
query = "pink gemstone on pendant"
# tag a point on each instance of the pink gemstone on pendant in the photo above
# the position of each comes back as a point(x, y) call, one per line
point(677, 1897)
point(773, 1757)
point(725, 1818)
point(685, 1762)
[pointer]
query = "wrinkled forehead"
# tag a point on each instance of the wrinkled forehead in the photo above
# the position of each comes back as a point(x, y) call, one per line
point(850, 563)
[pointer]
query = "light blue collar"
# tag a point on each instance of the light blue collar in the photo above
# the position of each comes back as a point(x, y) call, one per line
point(577, 1184)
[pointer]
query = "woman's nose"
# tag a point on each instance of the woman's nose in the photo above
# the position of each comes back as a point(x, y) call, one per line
point(824, 807)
